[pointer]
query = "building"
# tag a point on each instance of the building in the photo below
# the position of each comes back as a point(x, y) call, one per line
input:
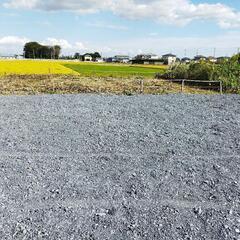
point(100, 60)
point(152, 59)
point(91, 57)
point(109, 60)
point(154, 56)
point(121, 59)
point(9, 57)
point(212, 59)
point(87, 58)
point(186, 60)
point(169, 59)
point(149, 56)
point(222, 59)
point(199, 58)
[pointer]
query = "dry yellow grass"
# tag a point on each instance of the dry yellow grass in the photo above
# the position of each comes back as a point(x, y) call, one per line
point(67, 84)
point(23, 67)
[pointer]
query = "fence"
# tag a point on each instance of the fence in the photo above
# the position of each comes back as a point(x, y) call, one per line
point(200, 84)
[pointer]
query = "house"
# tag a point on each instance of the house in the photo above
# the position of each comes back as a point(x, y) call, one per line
point(212, 59)
point(109, 60)
point(87, 57)
point(91, 57)
point(147, 59)
point(100, 60)
point(169, 59)
point(149, 56)
point(9, 57)
point(121, 59)
point(199, 58)
point(222, 59)
point(186, 60)
point(153, 56)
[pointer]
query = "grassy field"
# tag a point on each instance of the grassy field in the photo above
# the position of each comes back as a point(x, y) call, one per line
point(110, 70)
point(29, 67)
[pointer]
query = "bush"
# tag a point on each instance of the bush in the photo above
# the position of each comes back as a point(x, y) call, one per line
point(227, 71)
point(200, 71)
point(178, 71)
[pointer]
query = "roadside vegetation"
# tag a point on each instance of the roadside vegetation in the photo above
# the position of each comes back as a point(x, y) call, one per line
point(73, 84)
point(228, 71)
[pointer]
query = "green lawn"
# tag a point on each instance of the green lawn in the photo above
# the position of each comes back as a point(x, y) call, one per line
point(105, 70)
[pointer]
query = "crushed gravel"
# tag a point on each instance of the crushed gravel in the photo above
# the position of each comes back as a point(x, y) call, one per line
point(117, 167)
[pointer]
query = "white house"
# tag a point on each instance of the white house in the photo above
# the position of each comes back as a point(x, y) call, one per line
point(88, 58)
point(212, 59)
point(169, 58)
point(100, 60)
point(154, 57)
point(121, 58)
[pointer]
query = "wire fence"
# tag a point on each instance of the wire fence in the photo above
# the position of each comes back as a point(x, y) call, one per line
point(197, 84)
point(74, 84)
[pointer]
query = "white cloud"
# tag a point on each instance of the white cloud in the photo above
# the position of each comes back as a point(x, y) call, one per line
point(67, 47)
point(13, 40)
point(107, 25)
point(153, 34)
point(12, 44)
point(82, 6)
point(61, 42)
point(80, 46)
point(226, 44)
point(177, 12)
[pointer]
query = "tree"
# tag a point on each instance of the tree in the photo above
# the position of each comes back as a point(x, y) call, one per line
point(57, 51)
point(32, 50)
point(77, 55)
point(96, 55)
point(36, 50)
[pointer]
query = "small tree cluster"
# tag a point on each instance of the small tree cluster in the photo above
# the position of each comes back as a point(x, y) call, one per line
point(34, 50)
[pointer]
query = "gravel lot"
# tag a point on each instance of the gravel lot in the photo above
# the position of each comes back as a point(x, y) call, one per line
point(118, 167)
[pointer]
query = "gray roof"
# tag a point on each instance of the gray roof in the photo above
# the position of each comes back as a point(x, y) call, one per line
point(169, 55)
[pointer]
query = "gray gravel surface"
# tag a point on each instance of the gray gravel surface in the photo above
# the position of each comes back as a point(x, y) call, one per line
point(118, 167)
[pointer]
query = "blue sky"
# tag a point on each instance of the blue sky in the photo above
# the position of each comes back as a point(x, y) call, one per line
point(123, 26)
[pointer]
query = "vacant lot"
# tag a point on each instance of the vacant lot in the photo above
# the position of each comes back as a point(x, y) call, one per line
point(64, 84)
point(118, 167)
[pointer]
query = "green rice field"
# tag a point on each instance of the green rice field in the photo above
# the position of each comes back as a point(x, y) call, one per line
point(110, 70)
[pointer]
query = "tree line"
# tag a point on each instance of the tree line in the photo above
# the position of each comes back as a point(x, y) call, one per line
point(34, 50)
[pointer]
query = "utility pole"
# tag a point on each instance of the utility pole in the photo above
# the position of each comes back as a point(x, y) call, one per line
point(214, 52)
point(185, 52)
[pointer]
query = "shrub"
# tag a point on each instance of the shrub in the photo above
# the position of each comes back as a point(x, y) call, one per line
point(227, 71)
